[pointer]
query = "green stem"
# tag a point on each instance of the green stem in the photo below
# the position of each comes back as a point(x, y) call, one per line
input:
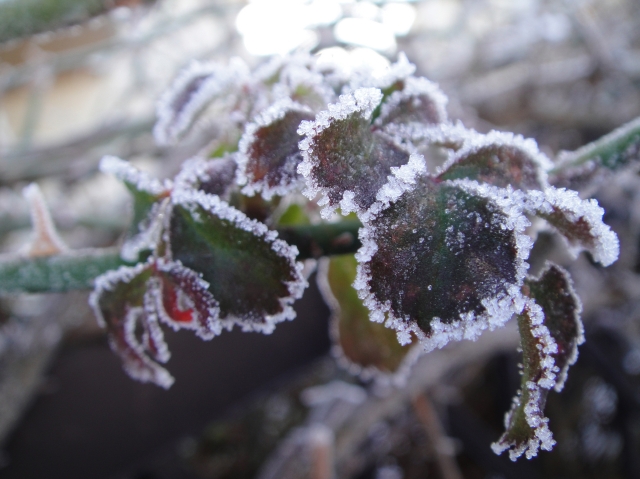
point(59, 273)
point(612, 151)
point(76, 270)
point(314, 241)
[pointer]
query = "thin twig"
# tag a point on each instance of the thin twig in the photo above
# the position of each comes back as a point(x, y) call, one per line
point(437, 438)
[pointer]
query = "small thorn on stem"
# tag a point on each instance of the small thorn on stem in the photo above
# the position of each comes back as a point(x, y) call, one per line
point(46, 241)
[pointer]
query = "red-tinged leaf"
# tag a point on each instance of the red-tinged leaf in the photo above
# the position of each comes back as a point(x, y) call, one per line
point(367, 348)
point(122, 306)
point(445, 261)
point(344, 158)
point(186, 300)
point(578, 221)
point(252, 274)
point(499, 159)
point(269, 154)
point(527, 428)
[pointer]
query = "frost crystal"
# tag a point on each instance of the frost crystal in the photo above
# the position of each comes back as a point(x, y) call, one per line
point(129, 174)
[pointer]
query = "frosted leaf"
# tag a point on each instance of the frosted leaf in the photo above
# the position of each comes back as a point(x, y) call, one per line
point(252, 274)
point(268, 158)
point(213, 176)
point(444, 261)
point(342, 153)
point(130, 303)
point(299, 82)
point(526, 426)
point(433, 140)
point(578, 221)
point(46, 241)
point(184, 301)
point(500, 159)
point(120, 306)
point(420, 101)
point(553, 291)
point(195, 87)
point(147, 193)
point(364, 348)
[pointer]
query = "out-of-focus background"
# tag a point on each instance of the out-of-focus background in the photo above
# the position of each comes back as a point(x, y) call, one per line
point(80, 79)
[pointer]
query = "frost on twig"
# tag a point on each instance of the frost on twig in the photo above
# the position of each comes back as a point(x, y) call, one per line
point(363, 347)
point(445, 261)
point(252, 274)
point(268, 158)
point(46, 241)
point(550, 332)
point(344, 158)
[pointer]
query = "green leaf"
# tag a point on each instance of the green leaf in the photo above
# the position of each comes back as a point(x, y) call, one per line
point(252, 274)
point(445, 261)
point(499, 159)
point(344, 158)
point(367, 348)
point(269, 154)
point(550, 332)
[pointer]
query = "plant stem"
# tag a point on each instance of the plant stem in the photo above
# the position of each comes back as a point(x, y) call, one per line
point(612, 151)
point(77, 269)
point(328, 239)
point(52, 274)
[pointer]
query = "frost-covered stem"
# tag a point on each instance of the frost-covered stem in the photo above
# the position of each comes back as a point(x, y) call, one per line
point(78, 269)
point(327, 239)
point(57, 273)
point(611, 151)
